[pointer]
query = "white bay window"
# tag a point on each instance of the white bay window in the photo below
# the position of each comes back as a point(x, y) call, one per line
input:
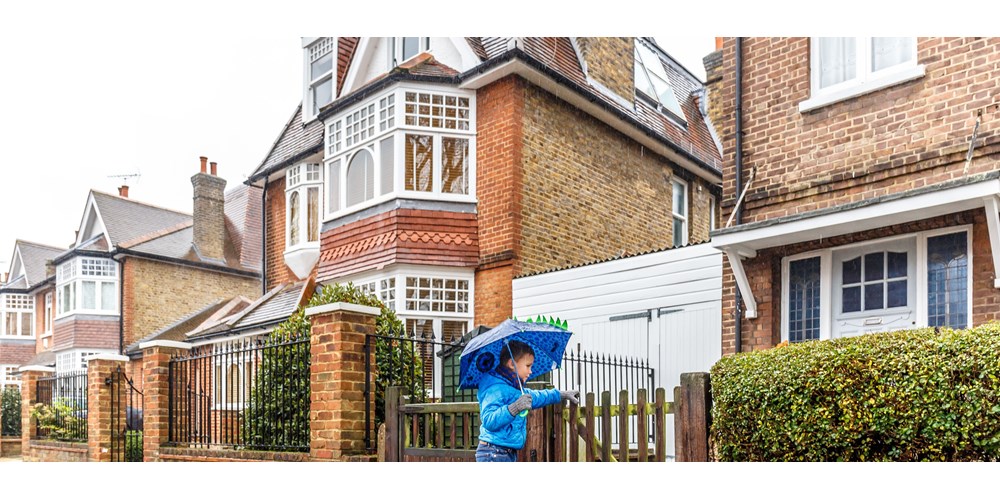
point(844, 67)
point(87, 285)
point(303, 188)
point(17, 312)
point(379, 150)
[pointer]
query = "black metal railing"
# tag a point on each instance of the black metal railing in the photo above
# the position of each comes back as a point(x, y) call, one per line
point(10, 411)
point(126, 418)
point(596, 373)
point(250, 393)
point(61, 407)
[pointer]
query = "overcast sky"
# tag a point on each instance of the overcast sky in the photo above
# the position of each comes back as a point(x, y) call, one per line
point(103, 108)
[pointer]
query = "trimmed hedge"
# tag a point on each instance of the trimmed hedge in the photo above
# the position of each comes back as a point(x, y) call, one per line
point(901, 396)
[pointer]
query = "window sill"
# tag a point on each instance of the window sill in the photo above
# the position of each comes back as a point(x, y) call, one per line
point(902, 76)
point(406, 195)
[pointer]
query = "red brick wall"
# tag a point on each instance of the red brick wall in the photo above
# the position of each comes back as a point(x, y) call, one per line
point(764, 273)
point(494, 295)
point(40, 316)
point(15, 353)
point(892, 140)
point(73, 332)
point(274, 242)
point(403, 236)
point(55, 451)
point(913, 134)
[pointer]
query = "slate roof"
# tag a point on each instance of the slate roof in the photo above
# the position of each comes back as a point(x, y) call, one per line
point(273, 307)
point(46, 358)
point(297, 141)
point(178, 330)
point(33, 258)
point(127, 219)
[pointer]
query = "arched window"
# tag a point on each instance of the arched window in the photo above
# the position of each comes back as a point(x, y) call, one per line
point(293, 225)
point(360, 178)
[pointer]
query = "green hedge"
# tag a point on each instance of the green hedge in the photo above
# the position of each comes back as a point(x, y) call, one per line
point(910, 395)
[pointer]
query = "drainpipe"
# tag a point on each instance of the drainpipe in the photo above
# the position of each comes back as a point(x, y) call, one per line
point(121, 306)
point(263, 236)
point(739, 176)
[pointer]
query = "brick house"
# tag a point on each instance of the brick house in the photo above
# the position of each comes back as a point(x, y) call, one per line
point(26, 308)
point(136, 268)
point(433, 171)
point(871, 185)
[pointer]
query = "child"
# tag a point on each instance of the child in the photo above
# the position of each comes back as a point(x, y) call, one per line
point(502, 401)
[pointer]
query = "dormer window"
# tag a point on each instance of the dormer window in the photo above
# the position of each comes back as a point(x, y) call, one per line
point(404, 48)
point(321, 55)
point(302, 199)
point(652, 83)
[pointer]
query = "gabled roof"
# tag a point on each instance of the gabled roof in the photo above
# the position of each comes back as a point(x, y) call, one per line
point(556, 55)
point(178, 330)
point(31, 257)
point(126, 219)
point(273, 307)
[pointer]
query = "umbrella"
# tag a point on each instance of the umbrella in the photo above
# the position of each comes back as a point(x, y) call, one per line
point(482, 354)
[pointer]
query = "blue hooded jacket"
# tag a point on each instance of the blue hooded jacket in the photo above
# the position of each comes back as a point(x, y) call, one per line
point(499, 427)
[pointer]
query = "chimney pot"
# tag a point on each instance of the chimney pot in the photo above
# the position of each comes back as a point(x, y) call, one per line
point(213, 168)
point(123, 191)
point(203, 159)
point(718, 43)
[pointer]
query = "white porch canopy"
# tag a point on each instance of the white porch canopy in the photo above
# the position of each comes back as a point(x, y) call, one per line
point(743, 241)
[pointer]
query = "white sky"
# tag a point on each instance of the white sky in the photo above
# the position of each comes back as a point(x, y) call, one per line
point(93, 89)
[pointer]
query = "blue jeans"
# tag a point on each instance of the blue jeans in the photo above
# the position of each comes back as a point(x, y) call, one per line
point(487, 452)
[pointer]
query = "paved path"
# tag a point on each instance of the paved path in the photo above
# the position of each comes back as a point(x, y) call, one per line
point(10, 459)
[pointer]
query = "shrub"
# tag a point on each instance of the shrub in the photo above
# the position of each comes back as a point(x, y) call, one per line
point(133, 446)
point(10, 409)
point(62, 420)
point(908, 395)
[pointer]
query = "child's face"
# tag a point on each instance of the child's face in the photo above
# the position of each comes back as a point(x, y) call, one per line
point(523, 366)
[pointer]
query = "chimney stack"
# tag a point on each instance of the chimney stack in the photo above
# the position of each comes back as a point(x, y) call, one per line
point(209, 213)
point(123, 191)
point(50, 268)
point(713, 83)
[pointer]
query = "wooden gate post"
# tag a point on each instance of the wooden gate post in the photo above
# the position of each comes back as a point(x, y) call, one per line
point(393, 395)
point(692, 418)
point(536, 444)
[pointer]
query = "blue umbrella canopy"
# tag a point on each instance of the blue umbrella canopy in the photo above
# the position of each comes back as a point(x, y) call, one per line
point(482, 354)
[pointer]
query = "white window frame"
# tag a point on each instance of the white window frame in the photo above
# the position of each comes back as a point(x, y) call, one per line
point(76, 359)
point(70, 274)
point(685, 219)
point(827, 277)
point(299, 180)
point(310, 82)
point(19, 311)
point(220, 399)
point(711, 213)
point(9, 377)
point(666, 108)
point(337, 151)
point(865, 81)
point(394, 54)
point(47, 320)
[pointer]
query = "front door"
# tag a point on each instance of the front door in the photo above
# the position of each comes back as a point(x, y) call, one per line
point(874, 288)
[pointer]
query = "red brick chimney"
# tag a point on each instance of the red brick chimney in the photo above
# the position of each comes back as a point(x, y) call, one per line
point(123, 191)
point(209, 212)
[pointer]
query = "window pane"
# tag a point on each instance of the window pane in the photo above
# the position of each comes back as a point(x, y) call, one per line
point(679, 230)
point(333, 187)
point(322, 94)
point(455, 165)
point(108, 302)
point(410, 47)
point(321, 66)
point(896, 294)
point(897, 265)
point(874, 266)
point(874, 296)
point(803, 299)
point(837, 60)
point(387, 153)
point(947, 280)
point(419, 166)
point(312, 195)
point(851, 299)
point(852, 271)
point(360, 178)
point(10, 325)
point(27, 325)
point(680, 199)
point(890, 51)
point(293, 220)
point(217, 393)
point(88, 292)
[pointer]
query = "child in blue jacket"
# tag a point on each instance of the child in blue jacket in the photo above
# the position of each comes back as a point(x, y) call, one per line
point(502, 401)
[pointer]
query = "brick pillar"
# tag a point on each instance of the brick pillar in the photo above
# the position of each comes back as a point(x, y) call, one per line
point(156, 357)
point(337, 380)
point(99, 412)
point(29, 385)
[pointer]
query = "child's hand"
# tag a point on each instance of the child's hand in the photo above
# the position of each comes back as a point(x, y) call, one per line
point(571, 396)
point(522, 403)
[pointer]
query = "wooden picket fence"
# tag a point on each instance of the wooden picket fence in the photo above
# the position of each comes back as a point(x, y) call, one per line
point(448, 432)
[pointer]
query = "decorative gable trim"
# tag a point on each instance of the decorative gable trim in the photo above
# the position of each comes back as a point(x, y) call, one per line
point(82, 235)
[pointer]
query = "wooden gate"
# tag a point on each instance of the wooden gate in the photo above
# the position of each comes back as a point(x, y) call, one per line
point(448, 432)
